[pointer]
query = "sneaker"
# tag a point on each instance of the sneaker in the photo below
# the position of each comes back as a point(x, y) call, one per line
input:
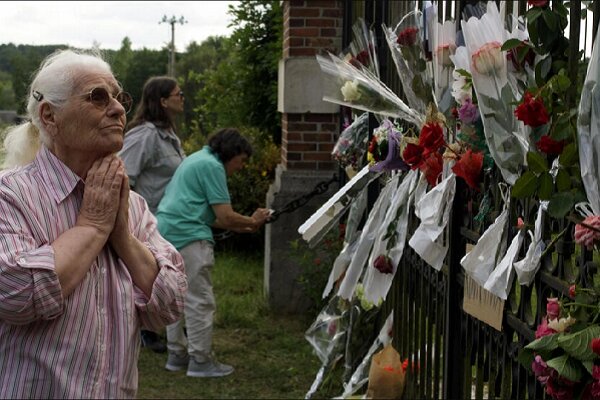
point(176, 362)
point(152, 341)
point(208, 369)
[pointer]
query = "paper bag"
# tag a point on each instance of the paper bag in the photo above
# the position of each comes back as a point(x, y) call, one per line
point(386, 375)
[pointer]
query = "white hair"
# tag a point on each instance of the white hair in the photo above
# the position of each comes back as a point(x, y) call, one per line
point(54, 81)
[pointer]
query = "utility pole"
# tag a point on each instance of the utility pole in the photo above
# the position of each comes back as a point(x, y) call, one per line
point(172, 21)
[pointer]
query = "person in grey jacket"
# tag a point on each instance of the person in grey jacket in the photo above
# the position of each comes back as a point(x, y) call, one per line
point(152, 152)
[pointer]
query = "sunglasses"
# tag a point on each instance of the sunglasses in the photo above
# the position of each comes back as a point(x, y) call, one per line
point(180, 94)
point(101, 97)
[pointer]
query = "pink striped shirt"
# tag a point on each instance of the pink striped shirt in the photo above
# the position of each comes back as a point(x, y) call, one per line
point(87, 345)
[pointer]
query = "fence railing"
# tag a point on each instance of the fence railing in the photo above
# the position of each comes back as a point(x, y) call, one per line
point(452, 354)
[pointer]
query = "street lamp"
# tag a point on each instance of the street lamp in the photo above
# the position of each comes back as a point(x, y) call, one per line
point(172, 21)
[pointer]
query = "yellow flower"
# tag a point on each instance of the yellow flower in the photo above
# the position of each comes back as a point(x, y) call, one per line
point(560, 325)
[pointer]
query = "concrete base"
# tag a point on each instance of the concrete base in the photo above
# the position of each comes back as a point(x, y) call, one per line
point(285, 295)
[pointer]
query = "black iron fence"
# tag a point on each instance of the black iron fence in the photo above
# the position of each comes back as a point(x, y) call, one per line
point(452, 354)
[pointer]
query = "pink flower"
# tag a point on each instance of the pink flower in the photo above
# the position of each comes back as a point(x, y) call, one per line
point(543, 329)
point(468, 112)
point(444, 52)
point(488, 58)
point(552, 308)
point(540, 369)
point(537, 3)
point(585, 235)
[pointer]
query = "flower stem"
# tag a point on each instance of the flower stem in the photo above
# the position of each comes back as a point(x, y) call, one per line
point(553, 242)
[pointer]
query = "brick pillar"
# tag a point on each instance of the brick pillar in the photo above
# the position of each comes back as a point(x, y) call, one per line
point(310, 127)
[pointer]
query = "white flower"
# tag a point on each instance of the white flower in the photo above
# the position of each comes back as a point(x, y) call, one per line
point(488, 59)
point(560, 325)
point(459, 92)
point(350, 91)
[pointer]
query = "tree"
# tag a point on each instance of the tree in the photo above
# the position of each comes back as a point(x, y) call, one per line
point(121, 59)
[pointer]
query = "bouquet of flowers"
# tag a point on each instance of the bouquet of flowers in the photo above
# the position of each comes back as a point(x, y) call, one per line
point(383, 153)
point(361, 90)
point(443, 39)
point(565, 357)
point(350, 146)
point(363, 49)
point(406, 46)
point(484, 38)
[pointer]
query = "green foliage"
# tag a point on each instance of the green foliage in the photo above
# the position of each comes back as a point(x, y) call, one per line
point(316, 264)
point(272, 359)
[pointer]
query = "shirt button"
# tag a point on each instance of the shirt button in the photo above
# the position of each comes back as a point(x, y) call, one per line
point(103, 270)
point(22, 260)
point(102, 348)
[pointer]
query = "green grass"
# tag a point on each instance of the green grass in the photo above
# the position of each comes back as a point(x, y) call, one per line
point(272, 359)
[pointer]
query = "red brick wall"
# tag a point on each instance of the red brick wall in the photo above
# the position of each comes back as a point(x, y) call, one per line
point(309, 28)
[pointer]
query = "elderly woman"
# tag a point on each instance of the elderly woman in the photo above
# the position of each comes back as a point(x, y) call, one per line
point(152, 152)
point(82, 265)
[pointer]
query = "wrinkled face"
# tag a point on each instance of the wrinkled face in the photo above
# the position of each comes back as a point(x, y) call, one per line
point(86, 128)
point(174, 101)
point(236, 163)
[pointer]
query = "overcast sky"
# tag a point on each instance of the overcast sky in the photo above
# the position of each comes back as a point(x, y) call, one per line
point(80, 23)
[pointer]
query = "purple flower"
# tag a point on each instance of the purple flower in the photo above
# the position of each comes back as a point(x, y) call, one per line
point(468, 112)
point(540, 369)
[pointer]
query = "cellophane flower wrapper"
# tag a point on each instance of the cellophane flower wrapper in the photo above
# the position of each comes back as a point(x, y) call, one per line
point(406, 46)
point(443, 38)
point(363, 48)
point(483, 40)
point(361, 90)
point(434, 212)
point(360, 376)
point(481, 260)
point(366, 239)
point(377, 284)
point(341, 263)
point(500, 280)
point(588, 131)
point(529, 265)
point(327, 335)
point(350, 147)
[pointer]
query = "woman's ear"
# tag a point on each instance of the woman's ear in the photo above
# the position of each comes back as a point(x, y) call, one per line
point(163, 102)
point(47, 118)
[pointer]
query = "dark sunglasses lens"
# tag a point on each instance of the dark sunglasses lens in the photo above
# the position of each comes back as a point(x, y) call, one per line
point(126, 101)
point(181, 93)
point(99, 97)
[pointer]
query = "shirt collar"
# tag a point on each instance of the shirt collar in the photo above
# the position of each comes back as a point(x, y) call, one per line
point(59, 179)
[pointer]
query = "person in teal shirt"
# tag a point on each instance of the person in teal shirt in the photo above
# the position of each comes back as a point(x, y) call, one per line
point(195, 200)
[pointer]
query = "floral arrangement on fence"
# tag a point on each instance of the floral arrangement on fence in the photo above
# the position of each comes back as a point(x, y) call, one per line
point(350, 146)
point(384, 147)
point(565, 357)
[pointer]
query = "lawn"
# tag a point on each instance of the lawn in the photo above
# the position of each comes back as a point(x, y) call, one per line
point(272, 359)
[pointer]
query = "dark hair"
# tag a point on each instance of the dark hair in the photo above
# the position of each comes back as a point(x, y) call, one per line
point(228, 143)
point(149, 109)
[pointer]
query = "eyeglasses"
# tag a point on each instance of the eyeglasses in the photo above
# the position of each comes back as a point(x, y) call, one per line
point(99, 97)
point(180, 94)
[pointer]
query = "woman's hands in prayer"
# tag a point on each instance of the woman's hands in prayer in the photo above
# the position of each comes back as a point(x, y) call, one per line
point(102, 193)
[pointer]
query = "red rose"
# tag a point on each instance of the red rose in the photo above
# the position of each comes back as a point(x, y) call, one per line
point(572, 293)
point(407, 37)
point(383, 264)
point(537, 3)
point(413, 155)
point(543, 329)
point(595, 345)
point(469, 167)
point(532, 111)
point(431, 138)
point(361, 59)
point(529, 58)
point(560, 388)
point(550, 146)
point(432, 168)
